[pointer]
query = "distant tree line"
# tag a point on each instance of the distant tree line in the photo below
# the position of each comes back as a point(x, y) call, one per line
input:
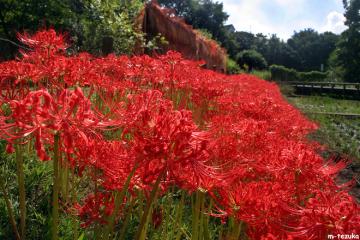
point(306, 50)
point(93, 24)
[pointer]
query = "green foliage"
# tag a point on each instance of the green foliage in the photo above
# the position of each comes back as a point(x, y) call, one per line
point(336, 71)
point(38, 189)
point(107, 26)
point(306, 50)
point(264, 74)
point(340, 134)
point(32, 15)
point(347, 54)
point(287, 90)
point(156, 43)
point(281, 73)
point(252, 59)
point(232, 67)
point(204, 14)
point(99, 27)
point(313, 49)
point(206, 33)
point(245, 40)
point(313, 76)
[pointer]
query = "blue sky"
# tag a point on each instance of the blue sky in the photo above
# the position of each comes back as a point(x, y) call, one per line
point(283, 17)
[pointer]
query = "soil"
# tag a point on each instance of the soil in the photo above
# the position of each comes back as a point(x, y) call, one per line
point(351, 172)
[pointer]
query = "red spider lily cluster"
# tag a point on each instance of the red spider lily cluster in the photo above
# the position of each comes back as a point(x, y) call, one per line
point(167, 120)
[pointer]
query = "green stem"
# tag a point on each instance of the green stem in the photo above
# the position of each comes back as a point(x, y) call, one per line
point(230, 227)
point(206, 222)
point(237, 229)
point(179, 214)
point(126, 221)
point(73, 193)
point(22, 193)
point(221, 231)
point(168, 213)
point(119, 199)
point(141, 204)
point(195, 217)
point(66, 180)
point(55, 209)
point(10, 210)
point(201, 223)
point(140, 235)
point(75, 228)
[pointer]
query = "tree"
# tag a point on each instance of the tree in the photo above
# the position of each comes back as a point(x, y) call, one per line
point(313, 49)
point(89, 23)
point(245, 40)
point(201, 14)
point(229, 41)
point(251, 59)
point(107, 26)
point(183, 8)
point(347, 54)
point(30, 15)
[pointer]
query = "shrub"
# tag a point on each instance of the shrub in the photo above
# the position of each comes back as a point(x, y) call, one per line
point(313, 76)
point(232, 67)
point(252, 59)
point(281, 73)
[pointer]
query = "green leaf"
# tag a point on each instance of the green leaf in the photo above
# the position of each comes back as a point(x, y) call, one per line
point(81, 236)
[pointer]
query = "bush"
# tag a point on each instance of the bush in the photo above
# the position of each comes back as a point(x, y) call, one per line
point(232, 67)
point(252, 59)
point(313, 76)
point(281, 73)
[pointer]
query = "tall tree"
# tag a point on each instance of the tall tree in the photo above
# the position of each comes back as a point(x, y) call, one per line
point(348, 51)
point(313, 48)
point(201, 14)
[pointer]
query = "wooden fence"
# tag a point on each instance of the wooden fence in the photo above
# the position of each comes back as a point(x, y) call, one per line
point(335, 89)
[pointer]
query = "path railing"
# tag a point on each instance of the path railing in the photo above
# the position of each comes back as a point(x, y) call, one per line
point(344, 90)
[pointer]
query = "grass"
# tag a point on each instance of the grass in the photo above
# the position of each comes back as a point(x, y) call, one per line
point(325, 104)
point(340, 134)
point(263, 74)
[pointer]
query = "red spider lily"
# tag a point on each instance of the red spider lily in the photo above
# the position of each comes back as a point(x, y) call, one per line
point(166, 140)
point(234, 137)
point(113, 160)
point(326, 213)
point(96, 209)
point(45, 40)
point(42, 115)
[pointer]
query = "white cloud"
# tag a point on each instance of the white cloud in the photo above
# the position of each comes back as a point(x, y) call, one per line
point(247, 16)
point(291, 6)
point(283, 17)
point(334, 22)
point(250, 16)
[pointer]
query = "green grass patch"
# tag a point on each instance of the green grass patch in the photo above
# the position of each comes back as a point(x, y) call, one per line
point(325, 104)
point(266, 75)
point(340, 134)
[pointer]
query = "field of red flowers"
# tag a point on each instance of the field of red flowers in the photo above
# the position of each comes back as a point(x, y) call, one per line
point(162, 146)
